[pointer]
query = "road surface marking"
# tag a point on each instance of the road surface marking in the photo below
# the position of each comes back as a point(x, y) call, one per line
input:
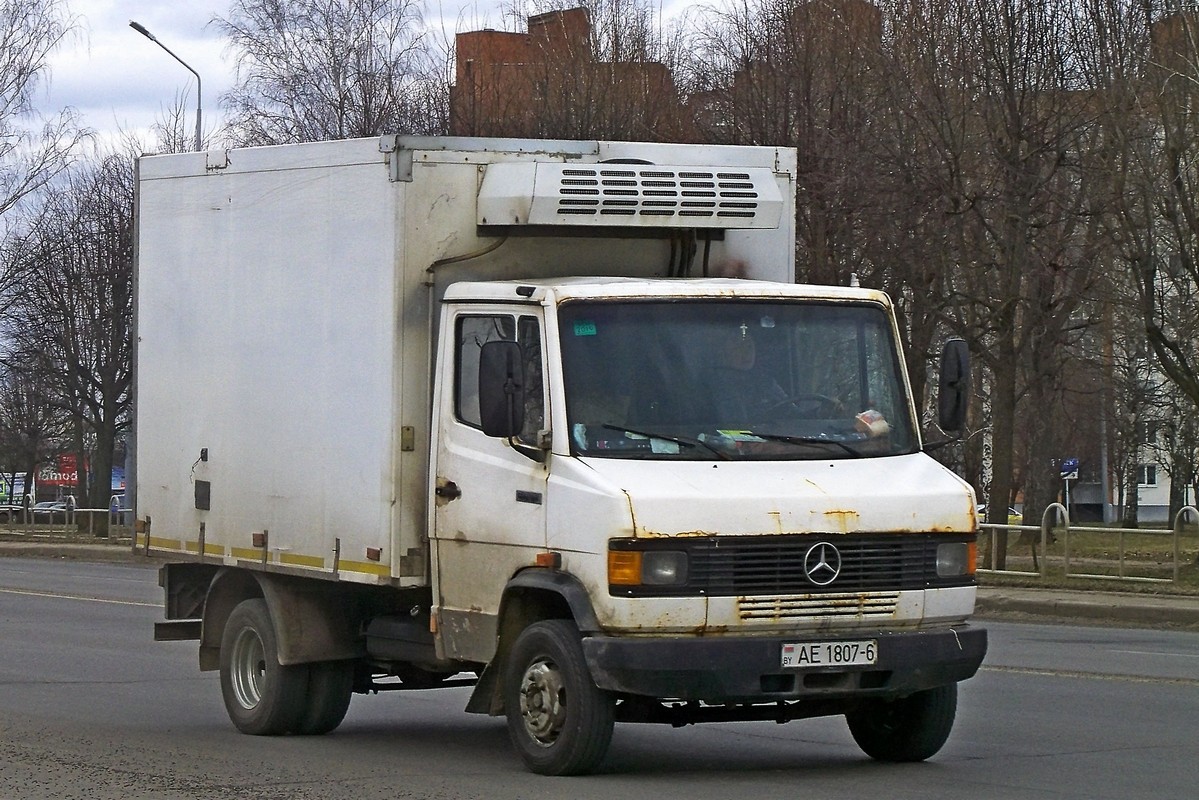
point(1156, 653)
point(60, 596)
point(1049, 672)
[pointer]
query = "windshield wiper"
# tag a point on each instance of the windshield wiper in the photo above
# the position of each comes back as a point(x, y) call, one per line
point(675, 439)
point(778, 437)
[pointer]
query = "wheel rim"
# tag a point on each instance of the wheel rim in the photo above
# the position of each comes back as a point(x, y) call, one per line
point(543, 702)
point(247, 668)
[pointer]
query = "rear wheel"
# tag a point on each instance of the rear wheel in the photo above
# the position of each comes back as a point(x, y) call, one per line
point(558, 719)
point(262, 696)
point(912, 728)
point(330, 687)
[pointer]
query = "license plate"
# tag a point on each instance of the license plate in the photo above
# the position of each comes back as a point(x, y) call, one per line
point(830, 654)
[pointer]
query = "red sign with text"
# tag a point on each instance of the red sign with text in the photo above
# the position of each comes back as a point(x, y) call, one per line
point(63, 473)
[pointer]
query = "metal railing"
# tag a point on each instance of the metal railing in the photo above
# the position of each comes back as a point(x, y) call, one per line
point(81, 520)
point(1056, 519)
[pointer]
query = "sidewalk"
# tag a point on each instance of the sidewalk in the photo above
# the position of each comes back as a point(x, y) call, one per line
point(73, 548)
point(1088, 607)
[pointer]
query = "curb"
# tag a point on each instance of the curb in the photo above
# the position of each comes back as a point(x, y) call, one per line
point(1098, 607)
point(72, 551)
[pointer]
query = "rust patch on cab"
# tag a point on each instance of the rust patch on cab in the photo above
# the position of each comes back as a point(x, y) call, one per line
point(843, 521)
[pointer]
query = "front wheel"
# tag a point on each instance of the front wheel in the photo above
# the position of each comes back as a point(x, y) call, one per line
point(912, 728)
point(262, 696)
point(558, 719)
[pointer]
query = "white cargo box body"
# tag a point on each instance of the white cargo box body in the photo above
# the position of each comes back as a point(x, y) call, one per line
point(284, 313)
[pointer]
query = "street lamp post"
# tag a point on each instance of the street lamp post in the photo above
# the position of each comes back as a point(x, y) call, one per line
point(137, 26)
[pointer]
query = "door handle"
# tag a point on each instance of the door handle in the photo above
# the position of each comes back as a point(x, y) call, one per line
point(448, 490)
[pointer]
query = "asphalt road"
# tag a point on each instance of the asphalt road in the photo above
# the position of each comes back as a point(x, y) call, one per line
point(91, 707)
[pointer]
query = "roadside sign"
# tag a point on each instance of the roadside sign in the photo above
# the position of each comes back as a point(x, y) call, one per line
point(1069, 469)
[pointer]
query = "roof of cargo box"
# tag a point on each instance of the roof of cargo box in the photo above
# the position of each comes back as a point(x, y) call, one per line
point(402, 150)
point(592, 288)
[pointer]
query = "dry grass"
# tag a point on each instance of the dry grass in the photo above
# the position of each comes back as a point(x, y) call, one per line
point(1133, 561)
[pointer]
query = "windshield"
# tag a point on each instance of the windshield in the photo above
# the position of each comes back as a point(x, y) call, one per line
point(709, 379)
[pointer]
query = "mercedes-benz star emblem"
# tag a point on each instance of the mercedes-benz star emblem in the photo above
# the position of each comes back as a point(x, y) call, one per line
point(822, 564)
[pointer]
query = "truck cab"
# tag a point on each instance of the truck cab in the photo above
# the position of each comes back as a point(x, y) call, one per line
point(718, 484)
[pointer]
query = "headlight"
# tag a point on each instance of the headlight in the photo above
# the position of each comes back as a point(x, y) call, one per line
point(664, 568)
point(955, 558)
point(647, 567)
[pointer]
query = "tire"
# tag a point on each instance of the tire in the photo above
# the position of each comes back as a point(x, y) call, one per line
point(330, 687)
point(912, 728)
point(559, 721)
point(262, 697)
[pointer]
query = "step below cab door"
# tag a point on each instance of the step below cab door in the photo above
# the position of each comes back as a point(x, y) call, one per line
point(489, 492)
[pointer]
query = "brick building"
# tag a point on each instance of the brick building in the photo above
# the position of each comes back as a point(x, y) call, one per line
point(547, 83)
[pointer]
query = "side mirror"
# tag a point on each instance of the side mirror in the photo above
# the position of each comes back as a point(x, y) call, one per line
point(954, 386)
point(501, 389)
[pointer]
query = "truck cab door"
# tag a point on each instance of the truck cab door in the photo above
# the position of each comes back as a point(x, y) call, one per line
point(489, 513)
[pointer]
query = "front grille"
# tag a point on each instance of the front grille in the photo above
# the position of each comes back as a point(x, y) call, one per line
point(727, 566)
point(773, 565)
point(848, 605)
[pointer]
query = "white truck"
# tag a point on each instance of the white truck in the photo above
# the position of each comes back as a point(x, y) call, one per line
point(547, 418)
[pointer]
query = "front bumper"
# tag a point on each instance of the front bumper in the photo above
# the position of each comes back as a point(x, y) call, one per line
point(724, 669)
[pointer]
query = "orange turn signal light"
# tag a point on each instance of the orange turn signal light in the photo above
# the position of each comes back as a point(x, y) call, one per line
point(624, 567)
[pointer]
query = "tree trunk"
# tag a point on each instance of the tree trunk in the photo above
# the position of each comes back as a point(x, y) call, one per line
point(1131, 510)
point(1003, 412)
point(1041, 477)
point(101, 490)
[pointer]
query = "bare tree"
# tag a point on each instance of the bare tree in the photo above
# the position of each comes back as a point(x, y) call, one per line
point(805, 75)
point(1167, 266)
point(33, 150)
point(70, 325)
point(32, 426)
point(171, 131)
point(1172, 442)
point(921, 166)
point(944, 150)
point(310, 70)
point(1143, 60)
point(1029, 245)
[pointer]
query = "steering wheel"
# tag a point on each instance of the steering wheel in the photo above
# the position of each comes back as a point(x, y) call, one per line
point(810, 404)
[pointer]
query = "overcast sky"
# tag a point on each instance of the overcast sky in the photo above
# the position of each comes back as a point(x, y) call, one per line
point(119, 80)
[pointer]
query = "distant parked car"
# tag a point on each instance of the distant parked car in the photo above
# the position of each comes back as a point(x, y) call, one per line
point(50, 512)
point(1014, 517)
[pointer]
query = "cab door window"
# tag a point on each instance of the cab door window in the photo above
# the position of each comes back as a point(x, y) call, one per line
point(472, 332)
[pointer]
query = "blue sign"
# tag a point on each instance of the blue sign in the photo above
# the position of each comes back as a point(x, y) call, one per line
point(1069, 469)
